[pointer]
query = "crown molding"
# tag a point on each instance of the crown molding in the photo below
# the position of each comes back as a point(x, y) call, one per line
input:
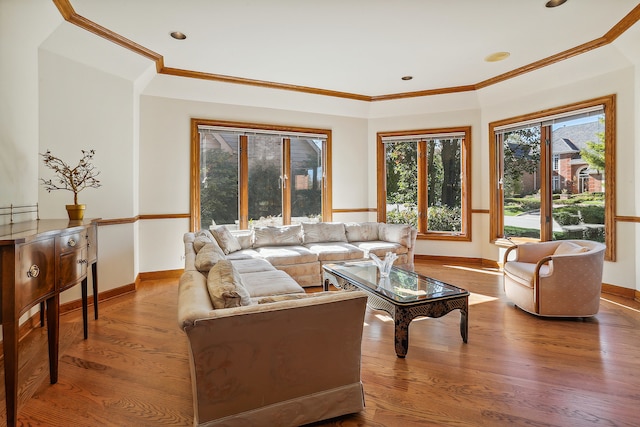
point(69, 15)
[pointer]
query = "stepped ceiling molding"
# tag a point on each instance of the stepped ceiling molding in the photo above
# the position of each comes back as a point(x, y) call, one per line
point(356, 49)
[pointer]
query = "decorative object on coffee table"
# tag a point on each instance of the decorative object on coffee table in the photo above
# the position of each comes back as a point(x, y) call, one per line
point(74, 179)
point(384, 265)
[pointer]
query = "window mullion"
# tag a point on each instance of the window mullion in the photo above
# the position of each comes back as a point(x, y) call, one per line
point(243, 182)
point(422, 186)
point(546, 158)
point(286, 181)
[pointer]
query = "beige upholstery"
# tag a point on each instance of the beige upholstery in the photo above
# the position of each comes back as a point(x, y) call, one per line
point(289, 362)
point(559, 278)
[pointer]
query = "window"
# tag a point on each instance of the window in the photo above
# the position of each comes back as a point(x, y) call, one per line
point(254, 175)
point(423, 181)
point(552, 174)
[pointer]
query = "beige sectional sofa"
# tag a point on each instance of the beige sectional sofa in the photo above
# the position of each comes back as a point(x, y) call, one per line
point(261, 350)
point(300, 250)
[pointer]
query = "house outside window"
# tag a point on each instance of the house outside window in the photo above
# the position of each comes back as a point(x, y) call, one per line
point(423, 181)
point(548, 174)
point(247, 175)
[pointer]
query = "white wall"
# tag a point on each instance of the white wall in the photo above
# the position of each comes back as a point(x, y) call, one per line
point(165, 162)
point(82, 108)
point(24, 24)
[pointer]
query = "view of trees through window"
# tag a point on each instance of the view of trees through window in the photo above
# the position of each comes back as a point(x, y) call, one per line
point(283, 183)
point(424, 181)
point(573, 181)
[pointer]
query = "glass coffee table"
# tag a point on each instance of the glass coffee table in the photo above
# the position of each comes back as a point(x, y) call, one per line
point(403, 294)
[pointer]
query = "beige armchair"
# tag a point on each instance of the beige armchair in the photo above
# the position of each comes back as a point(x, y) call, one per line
point(560, 278)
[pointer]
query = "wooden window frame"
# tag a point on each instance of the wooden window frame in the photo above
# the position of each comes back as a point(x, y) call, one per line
point(243, 168)
point(465, 199)
point(496, 196)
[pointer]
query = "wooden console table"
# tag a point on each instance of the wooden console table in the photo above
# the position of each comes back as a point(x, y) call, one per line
point(38, 260)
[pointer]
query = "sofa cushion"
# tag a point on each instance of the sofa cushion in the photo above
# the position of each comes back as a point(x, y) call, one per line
point(251, 265)
point(380, 248)
point(225, 239)
point(225, 286)
point(323, 232)
point(201, 238)
point(286, 255)
point(244, 237)
point(208, 256)
point(288, 297)
point(568, 248)
point(335, 251)
point(361, 231)
point(266, 283)
point(243, 254)
point(397, 233)
point(277, 236)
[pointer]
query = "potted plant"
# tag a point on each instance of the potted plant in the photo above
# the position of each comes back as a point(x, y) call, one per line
point(74, 179)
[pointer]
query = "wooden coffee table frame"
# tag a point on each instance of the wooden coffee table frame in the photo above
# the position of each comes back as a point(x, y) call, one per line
point(403, 313)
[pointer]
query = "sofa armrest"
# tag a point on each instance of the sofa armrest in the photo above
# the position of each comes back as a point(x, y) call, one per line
point(257, 356)
point(193, 298)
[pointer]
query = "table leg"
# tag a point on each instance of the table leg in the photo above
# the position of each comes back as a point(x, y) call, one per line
point(53, 332)
point(94, 281)
point(42, 314)
point(464, 321)
point(401, 334)
point(10, 347)
point(85, 324)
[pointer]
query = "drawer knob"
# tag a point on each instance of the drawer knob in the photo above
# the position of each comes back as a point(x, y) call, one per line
point(72, 242)
point(34, 271)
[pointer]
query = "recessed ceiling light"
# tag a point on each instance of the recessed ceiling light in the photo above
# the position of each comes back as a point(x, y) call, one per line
point(497, 56)
point(554, 3)
point(407, 78)
point(178, 35)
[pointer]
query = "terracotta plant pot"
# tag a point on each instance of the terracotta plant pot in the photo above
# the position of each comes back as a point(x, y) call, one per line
point(76, 212)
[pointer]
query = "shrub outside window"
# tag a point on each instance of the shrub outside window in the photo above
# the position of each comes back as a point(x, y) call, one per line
point(423, 181)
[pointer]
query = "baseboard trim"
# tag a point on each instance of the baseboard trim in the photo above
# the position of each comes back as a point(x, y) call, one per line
point(159, 275)
point(102, 296)
point(453, 260)
point(620, 291)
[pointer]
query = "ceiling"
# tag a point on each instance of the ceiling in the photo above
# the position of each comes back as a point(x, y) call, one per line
point(356, 46)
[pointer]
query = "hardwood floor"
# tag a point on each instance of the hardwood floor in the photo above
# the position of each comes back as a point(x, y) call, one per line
point(515, 370)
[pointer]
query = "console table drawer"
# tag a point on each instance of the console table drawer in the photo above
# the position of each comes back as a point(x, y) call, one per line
point(35, 272)
point(73, 268)
point(72, 241)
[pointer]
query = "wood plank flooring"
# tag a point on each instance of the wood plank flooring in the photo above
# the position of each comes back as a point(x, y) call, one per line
point(515, 370)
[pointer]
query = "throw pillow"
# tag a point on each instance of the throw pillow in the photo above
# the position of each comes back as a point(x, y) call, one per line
point(225, 286)
point(323, 232)
point(396, 233)
point(208, 256)
point(277, 236)
point(203, 237)
point(361, 231)
point(568, 248)
point(225, 239)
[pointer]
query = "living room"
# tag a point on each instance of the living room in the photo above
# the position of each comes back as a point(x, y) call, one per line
point(67, 89)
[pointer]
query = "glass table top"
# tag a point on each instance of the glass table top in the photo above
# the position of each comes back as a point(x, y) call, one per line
point(402, 286)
